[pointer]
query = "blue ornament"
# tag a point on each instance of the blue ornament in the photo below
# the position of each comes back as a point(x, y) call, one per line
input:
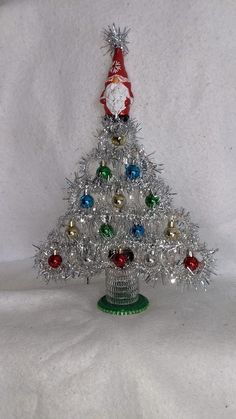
point(138, 230)
point(132, 171)
point(86, 201)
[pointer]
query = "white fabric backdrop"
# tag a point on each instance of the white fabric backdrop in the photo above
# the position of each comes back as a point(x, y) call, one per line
point(182, 64)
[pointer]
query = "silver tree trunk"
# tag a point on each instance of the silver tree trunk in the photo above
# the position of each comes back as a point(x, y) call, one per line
point(121, 287)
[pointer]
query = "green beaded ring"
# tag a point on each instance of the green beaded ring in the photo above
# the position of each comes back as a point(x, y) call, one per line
point(135, 308)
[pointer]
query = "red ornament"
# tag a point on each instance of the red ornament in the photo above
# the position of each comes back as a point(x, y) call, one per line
point(117, 95)
point(120, 260)
point(54, 261)
point(191, 262)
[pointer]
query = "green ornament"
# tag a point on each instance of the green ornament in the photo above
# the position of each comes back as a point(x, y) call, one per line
point(106, 230)
point(104, 172)
point(152, 200)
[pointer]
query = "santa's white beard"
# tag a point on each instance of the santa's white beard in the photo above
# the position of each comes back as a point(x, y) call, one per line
point(116, 95)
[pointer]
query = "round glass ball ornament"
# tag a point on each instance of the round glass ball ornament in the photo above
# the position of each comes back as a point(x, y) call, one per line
point(129, 253)
point(118, 140)
point(152, 201)
point(119, 259)
point(151, 259)
point(118, 200)
point(133, 172)
point(72, 230)
point(171, 232)
point(138, 230)
point(191, 262)
point(86, 201)
point(54, 261)
point(106, 230)
point(104, 172)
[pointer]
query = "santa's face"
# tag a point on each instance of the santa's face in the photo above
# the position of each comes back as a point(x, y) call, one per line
point(116, 95)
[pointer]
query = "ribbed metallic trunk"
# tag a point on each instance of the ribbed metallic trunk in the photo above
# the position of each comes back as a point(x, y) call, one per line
point(121, 287)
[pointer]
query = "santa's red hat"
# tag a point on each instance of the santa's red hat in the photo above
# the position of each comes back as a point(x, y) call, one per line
point(118, 65)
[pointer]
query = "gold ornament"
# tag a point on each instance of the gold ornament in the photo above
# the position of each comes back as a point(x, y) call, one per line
point(72, 230)
point(119, 140)
point(171, 231)
point(118, 200)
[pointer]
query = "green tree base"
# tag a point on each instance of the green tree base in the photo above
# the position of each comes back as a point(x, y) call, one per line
point(134, 308)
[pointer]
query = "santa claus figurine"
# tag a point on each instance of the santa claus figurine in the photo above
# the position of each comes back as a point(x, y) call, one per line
point(117, 95)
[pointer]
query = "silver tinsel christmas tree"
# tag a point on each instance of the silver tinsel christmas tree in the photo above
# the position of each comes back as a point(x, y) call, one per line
point(120, 217)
